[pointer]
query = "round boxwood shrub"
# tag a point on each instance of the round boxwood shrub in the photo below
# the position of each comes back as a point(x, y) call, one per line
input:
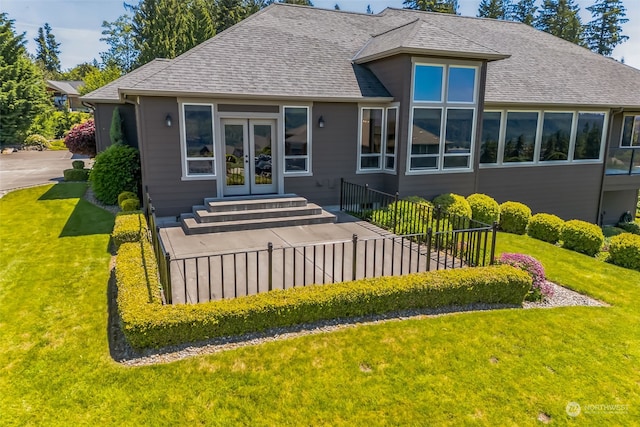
point(81, 139)
point(484, 208)
point(624, 250)
point(582, 236)
point(457, 205)
point(126, 195)
point(545, 227)
point(129, 205)
point(514, 217)
point(115, 170)
point(540, 288)
point(77, 164)
point(36, 140)
point(76, 174)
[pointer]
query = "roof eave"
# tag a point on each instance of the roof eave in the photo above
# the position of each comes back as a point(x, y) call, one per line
point(587, 106)
point(431, 52)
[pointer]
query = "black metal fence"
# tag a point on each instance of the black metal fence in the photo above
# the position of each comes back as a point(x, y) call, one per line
point(162, 256)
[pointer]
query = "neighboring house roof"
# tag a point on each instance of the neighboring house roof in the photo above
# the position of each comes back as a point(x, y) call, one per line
point(287, 51)
point(68, 87)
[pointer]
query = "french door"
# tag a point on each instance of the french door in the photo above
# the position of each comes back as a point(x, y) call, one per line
point(249, 146)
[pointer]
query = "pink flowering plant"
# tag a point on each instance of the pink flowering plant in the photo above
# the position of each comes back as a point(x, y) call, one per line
point(81, 139)
point(540, 289)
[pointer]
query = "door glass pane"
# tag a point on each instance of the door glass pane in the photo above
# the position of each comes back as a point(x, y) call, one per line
point(589, 136)
point(234, 151)
point(428, 83)
point(490, 137)
point(425, 137)
point(262, 146)
point(520, 136)
point(556, 133)
point(462, 83)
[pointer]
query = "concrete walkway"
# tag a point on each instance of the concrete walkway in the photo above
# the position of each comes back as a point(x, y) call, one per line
point(227, 265)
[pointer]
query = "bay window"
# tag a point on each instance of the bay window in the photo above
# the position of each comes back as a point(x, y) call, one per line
point(378, 139)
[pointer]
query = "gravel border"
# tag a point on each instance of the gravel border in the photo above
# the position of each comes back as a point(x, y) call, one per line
point(124, 354)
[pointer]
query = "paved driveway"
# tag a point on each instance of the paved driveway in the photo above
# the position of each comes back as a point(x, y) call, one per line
point(29, 168)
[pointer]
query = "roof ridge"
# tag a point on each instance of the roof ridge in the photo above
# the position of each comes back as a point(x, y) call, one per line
point(373, 37)
point(453, 15)
point(396, 28)
point(324, 9)
point(464, 37)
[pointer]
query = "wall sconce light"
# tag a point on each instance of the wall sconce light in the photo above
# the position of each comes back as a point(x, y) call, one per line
point(320, 122)
point(168, 120)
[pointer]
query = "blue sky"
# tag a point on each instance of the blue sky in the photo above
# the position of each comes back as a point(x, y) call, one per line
point(77, 23)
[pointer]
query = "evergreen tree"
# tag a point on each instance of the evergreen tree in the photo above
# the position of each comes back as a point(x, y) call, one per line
point(300, 2)
point(119, 36)
point(524, 11)
point(604, 32)
point(47, 51)
point(337, 6)
point(560, 18)
point(22, 92)
point(442, 6)
point(369, 10)
point(496, 9)
point(116, 133)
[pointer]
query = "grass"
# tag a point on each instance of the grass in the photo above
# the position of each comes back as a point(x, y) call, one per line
point(57, 145)
point(501, 367)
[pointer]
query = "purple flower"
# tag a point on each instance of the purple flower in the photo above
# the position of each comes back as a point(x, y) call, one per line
point(540, 288)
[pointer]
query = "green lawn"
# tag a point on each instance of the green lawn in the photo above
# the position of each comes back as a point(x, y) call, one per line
point(489, 368)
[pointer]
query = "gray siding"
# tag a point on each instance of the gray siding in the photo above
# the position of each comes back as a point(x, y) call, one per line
point(249, 108)
point(616, 203)
point(102, 116)
point(161, 160)
point(569, 191)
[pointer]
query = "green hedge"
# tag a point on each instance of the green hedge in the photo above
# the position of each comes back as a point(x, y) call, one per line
point(131, 227)
point(545, 227)
point(410, 216)
point(624, 250)
point(148, 323)
point(582, 236)
point(630, 227)
point(514, 217)
point(484, 208)
point(76, 174)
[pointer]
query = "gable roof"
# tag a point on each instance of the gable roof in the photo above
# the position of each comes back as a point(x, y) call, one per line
point(69, 87)
point(288, 52)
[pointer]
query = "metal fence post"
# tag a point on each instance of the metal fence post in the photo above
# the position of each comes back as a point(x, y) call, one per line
point(395, 212)
point(429, 231)
point(354, 261)
point(168, 293)
point(341, 194)
point(270, 252)
point(494, 234)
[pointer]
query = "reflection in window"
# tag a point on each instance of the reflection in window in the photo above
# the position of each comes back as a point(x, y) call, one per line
point(198, 137)
point(490, 137)
point(458, 136)
point(520, 136)
point(425, 138)
point(428, 83)
point(630, 131)
point(390, 148)
point(377, 138)
point(296, 139)
point(556, 135)
point(462, 83)
point(589, 136)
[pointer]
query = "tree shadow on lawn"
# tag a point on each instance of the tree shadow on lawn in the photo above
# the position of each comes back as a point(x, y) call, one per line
point(86, 220)
point(65, 190)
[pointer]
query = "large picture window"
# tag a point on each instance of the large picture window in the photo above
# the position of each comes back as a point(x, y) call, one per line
point(589, 135)
point(490, 136)
point(198, 149)
point(378, 139)
point(443, 117)
point(296, 140)
point(630, 131)
point(556, 136)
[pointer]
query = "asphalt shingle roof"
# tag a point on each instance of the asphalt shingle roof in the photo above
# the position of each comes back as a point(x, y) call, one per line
point(309, 53)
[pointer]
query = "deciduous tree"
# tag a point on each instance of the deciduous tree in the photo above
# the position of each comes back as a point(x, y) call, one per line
point(119, 36)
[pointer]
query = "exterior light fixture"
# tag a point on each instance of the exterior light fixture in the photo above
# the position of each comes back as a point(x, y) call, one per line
point(320, 122)
point(168, 120)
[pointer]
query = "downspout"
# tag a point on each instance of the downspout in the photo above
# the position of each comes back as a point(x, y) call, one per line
point(612, 114)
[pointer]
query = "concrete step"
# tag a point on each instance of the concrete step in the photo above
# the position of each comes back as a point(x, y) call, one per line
point(234, 205)
point(204, 215)
point(190, 225)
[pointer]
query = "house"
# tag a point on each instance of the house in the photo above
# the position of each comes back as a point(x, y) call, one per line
point(65, 95)
point(415, 102)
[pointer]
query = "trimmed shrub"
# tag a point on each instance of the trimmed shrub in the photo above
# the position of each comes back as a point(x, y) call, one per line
point(76, 174)
point(582, 236)
point(514, 217)
point(81, 139)
point(630, 227)
point(36, 140)
point(115, 170)
point(540, 288)
point(128, 228)
point(147, 323)
point(409, 216)
point(484, 208)
point(545, 227)
point(129, 205)
point(77, 164)
point(456, 205)
point(624, 250)
point(116, 133)
point(126, 195)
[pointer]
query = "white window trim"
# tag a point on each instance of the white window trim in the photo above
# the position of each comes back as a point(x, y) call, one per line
point(444, 104)
point(183, 145)
point(395, 107)
point(624, 116)
point(383, 139)
point(284, 157)
point(538, 141)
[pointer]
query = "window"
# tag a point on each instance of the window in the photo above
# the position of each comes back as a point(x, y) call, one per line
point(198, 140)
point(630, 132)
point(443, 117)
point(520, 138)
point(378, 138)
point(296, 140)
point(556, 135)
point(490, 137)
point(514, 137)
point(589, 136)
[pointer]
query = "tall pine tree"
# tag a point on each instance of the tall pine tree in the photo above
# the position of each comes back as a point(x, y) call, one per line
point(22, 92)
point(561, 18)
point(496, 9)
point(524, 11)
point(120, 38)
point(442, 6)
point(47, 51)
point(604, 32)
